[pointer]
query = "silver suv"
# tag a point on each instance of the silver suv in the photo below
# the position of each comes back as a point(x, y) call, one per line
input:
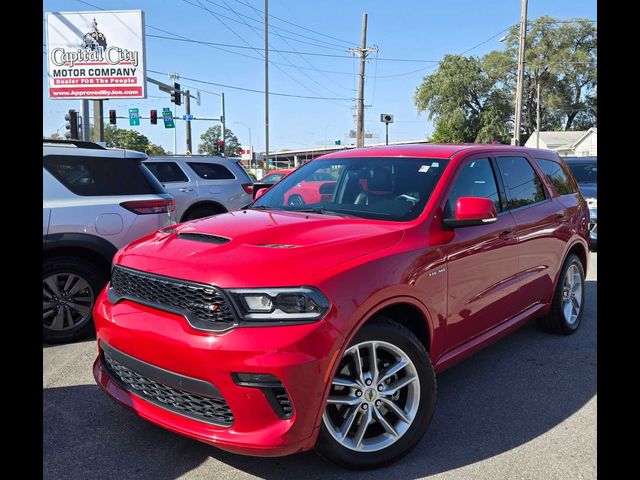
point(95, 200)
point(203, 185)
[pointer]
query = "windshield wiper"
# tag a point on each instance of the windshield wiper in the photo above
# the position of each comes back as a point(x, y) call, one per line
point(321, 211)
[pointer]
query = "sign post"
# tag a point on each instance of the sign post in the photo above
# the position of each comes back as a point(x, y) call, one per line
point(167, 118)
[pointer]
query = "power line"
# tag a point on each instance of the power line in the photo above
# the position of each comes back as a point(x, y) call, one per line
point(299, 26)
point(252, 89)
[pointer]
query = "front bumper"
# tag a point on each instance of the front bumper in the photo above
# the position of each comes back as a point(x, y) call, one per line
point(300, 356)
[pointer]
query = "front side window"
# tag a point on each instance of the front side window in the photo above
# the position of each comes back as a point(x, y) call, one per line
point(167, 172)
point(476, 179)
point(212, 171)
point(520, 181)
point(395, 189)
point(556, 176)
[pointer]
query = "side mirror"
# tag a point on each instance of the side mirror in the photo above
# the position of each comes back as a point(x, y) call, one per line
point(472, 211)
point(260, 193)
point(327, 188)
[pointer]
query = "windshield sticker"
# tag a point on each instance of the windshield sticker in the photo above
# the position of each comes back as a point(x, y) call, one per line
point(424, 169)
point(435, 164)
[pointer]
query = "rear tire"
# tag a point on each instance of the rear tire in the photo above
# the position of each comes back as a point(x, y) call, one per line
point(295, 201)
point(70, 286)
point(567, 305)
point(387, 436)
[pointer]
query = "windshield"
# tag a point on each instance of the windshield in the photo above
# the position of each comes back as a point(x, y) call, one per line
point(584, 172)
point(395, 189)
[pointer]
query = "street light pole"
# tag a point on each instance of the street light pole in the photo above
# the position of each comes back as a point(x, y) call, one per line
point(266, 85)
point(520, 79)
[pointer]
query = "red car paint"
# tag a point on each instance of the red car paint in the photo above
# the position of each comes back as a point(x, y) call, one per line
point(469, 285)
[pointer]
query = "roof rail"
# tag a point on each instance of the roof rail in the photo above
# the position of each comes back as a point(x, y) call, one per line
point(77, 143)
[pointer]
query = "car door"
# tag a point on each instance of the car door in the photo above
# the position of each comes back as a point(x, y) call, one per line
point(482, 261)
point(539, 220)
point(176, 181)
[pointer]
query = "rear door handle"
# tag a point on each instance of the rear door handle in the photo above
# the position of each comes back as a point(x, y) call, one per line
point(185, 189)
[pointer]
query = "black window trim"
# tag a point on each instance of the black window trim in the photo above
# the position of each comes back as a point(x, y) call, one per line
point(547, 194)
point(189, 179)
point(199, 178)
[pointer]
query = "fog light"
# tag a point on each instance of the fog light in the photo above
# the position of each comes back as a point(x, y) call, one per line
point(256, 379)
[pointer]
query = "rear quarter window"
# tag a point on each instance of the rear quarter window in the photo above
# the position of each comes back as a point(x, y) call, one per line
point(167, 172)
point(102, 176)
point(556, 176)
point(212, 171)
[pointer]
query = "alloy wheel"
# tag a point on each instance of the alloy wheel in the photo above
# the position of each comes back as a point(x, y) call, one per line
point(572, 294)
point(374, 397)
point(67, 300)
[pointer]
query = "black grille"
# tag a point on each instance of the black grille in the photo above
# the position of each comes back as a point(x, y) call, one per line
point(210, 410)
point(197, 302)
point(203, 237)
point(284, 401)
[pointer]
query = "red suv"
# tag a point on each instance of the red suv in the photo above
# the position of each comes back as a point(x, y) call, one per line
point(281, 327)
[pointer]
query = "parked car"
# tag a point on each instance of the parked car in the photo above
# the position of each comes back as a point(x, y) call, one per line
point(203, 185)
point(288, 327)
point(95, 200)
point(585, 171)
point(276, 175)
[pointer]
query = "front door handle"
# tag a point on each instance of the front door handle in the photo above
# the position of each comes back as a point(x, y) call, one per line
point(186, 189)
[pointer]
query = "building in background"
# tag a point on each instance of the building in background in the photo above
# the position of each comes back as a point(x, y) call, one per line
point(582, 143)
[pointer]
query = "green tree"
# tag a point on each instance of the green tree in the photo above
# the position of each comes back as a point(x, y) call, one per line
point(209, 141)
point(131, 140)
point(54, 136)
point(465, 102)
point(561, 57)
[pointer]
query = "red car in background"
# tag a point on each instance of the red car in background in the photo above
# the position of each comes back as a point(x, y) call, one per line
point(286, 327)
point(275, 176)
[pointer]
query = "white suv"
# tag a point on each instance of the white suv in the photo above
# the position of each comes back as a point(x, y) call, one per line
point(95, 200)
point(203, 185)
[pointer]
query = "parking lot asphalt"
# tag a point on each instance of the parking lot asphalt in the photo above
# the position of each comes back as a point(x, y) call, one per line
point(523, 408)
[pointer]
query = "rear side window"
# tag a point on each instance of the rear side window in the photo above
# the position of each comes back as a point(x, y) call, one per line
point(476, 179)
point(556, 176)
point(98, 176)
point(521, 182)
point(212, 171)
point(167, 172)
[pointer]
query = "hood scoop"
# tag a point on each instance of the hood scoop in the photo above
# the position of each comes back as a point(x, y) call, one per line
point(203, 237)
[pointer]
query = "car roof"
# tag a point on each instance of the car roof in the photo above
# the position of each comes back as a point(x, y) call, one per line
point(433, 150)
point(198, 158)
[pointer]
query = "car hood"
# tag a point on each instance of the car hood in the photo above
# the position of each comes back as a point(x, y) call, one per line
point(589, 190)
point(264, 248)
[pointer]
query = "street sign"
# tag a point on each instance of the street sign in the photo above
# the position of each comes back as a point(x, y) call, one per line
point(167, 117)
point(338, 142)
point(386, 118)
point(187, 117)
point(134, 117)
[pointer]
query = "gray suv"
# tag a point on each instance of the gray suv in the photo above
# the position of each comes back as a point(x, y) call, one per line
point(95, 200)
point(203, 185)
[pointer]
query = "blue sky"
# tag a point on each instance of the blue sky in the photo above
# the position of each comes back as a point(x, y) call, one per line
point(425, 30)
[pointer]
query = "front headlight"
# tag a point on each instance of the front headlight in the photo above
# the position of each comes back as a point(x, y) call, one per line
point(280, 304)
point(592, 202)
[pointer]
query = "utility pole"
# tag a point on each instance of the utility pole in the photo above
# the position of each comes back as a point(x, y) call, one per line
point(538, 115)
point(222, 119)
point(84, 110)
point(266, 85)
point(98, 121)
point(187, 111)
point(523, 38)
point(362, 53)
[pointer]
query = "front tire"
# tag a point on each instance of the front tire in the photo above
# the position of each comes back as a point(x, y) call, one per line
point(567, 305)
point(381, 399)
point(70, 286)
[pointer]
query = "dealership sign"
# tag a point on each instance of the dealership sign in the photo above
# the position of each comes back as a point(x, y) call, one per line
point(96, 55)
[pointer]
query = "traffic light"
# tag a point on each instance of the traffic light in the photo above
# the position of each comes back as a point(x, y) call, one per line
point(221, 147)
point(112, 117)
point(175, 94)
point(154, 117)
point(72, 125)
